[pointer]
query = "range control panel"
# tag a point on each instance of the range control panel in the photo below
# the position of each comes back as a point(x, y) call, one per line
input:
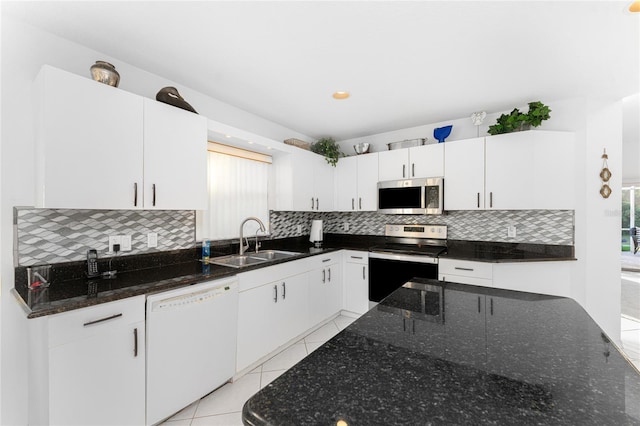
point(416, 231)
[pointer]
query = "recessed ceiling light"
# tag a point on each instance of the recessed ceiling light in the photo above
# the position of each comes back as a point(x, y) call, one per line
point(250, 142)
point(635, 6)
point(227, 136)
point(341, 95)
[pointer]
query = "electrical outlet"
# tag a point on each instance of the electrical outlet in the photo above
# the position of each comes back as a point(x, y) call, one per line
point(345, 226)
point(511, 231)
point(152, 240)
point(115, 239)
point(299, 229)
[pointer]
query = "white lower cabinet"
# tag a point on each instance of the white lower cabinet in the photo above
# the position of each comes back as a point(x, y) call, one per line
point(465, 272)
point(356, 281)
point(87, 366)
point(325, 288)
point(550, 277)
point(272, 309)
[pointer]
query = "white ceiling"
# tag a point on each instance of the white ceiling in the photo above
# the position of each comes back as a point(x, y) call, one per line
point(405, 63)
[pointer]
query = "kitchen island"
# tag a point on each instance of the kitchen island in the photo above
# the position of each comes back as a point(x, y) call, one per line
point(444, 353)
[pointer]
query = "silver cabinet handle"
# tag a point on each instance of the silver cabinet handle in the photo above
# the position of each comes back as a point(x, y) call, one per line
point(463, 269)
point(478, 200)
point(492, 306)
point(317, 204)
point(356, 257)
point(478, 304)
point(329, 274)
point(135, 194)
point(413, 169)
point(404, 168)
point(324, 276)
point(353, 204)
point(284, 290)
point(360, 203)
point(363, 277)
point(311, 203)
point(154, 194)
point(491, 199)
point(135, 342)
point(326, 260)
point(275, 291)
point(102, 320)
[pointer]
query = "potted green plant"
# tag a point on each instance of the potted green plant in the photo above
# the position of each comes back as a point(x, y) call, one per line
point(538, 112)
point(329, 148)
point(516, 120)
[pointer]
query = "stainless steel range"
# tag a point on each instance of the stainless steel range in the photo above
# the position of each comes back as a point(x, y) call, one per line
point(409, 251)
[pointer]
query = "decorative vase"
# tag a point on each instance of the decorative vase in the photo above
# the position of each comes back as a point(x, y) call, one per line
point(106, 73)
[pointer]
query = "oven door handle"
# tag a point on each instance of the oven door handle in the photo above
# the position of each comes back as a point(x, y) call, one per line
point(403, 257)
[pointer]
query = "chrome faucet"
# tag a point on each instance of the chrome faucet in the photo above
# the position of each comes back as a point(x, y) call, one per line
point(262, 228)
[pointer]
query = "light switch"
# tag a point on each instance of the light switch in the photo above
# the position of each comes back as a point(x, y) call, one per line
point(511, 231)
point(152, 240)
point(125, 242)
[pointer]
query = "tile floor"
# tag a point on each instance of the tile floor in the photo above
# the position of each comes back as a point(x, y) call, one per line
point(224, 406)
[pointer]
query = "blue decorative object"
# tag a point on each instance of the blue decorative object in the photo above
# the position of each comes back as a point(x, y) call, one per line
point(441, 133)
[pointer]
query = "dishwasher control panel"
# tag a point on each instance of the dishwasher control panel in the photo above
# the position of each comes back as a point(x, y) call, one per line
point(191, 298)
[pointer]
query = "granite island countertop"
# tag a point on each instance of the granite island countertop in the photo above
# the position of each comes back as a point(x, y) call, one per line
point(488, 357)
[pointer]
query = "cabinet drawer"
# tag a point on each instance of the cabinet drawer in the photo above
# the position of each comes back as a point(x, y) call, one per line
point(83, 323)
point(324, 260)
point(465, 268)
point(353, 256)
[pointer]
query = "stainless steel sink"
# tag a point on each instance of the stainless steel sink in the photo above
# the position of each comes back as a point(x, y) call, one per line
point(237, 261)
point(273, 254)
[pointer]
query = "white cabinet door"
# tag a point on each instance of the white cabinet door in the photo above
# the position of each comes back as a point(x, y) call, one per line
point(175, 158)
point(88, 144)
point(97, 370)
point(367, 182)
point(356, 282)
point(258, 323)
point(530, 170)
point(356, 183)
point(464, 174)
point(325, 291)
point(294, 313)
point(323, 174)
point(346, 184)
point(310, 179)
point(426, 161)
point(393, 164)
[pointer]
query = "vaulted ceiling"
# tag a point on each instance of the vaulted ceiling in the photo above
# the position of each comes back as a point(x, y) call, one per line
point(404, 63)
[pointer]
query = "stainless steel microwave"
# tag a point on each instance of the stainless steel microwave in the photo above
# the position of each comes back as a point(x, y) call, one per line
point(411, 196)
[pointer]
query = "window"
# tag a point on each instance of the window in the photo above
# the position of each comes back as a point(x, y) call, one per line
point(630, 213)
point(238, 183)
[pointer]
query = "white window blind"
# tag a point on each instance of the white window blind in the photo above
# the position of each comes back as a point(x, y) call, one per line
point(237, 189)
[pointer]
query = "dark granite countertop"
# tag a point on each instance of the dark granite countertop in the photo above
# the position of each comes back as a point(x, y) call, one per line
point(150, 273)
point(145, 274)
point(494, 357)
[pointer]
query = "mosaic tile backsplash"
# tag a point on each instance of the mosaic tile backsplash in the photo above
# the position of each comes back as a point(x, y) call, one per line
point(61, 235)
point(532, 226)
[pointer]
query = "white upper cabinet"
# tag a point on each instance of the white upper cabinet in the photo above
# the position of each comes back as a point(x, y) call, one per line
point(356, 183)
point(88, 143)
point(175, 158)
point(464, 174)
point(304, 182)
point(516, 171)
point(530, 170)
point(416, 162)
point(99, 147)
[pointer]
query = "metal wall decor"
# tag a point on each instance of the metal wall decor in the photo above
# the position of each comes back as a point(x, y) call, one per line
point(605, 175)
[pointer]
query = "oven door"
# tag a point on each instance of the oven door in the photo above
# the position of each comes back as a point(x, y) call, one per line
point(388, 272)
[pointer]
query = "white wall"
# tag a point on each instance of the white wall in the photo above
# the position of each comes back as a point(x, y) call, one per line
point(24, 50)
point(631, 140)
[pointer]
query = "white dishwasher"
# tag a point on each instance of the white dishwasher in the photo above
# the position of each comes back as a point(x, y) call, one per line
point(191, 344)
